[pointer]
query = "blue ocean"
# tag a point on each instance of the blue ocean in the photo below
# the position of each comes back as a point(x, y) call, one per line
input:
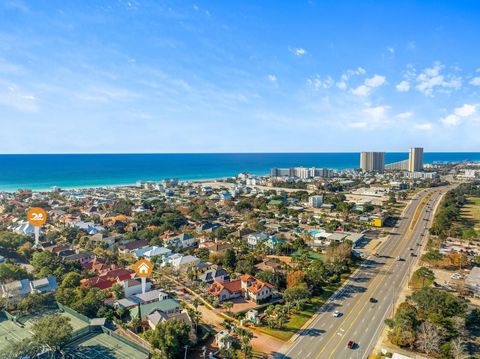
point(42, 172)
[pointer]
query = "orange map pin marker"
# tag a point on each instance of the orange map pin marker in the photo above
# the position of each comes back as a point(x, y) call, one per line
point(37, 216)
point(143, 268)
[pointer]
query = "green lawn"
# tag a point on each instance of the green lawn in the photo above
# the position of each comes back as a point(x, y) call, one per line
point(471, 212)
point(311, 255)
point(297, 320)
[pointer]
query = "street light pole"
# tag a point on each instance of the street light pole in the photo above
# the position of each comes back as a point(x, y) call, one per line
point(186, 348)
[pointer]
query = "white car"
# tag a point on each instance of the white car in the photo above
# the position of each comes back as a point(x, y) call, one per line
point(336, 314)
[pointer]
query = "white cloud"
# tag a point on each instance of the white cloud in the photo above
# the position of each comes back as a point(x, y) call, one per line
point(12, 95)
point(459, 114)
point(423, 126)
point(343, 83)
point(359, 124)
point(377, 113)
point(318, 83)
point(298, 51)
point(404, 115)
point(431, 80)
point(475, 81)
point(375, 81)
point(272, 78)
point(391, 50)
point(466, 110)
point(361, 90)
point(403, 86)
point(368, 85)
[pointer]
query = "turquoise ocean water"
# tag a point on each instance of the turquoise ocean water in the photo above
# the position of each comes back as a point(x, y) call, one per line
point(85, 170)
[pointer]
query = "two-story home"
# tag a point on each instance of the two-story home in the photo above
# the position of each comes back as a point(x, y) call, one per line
point(183, 240)
point(246, 286)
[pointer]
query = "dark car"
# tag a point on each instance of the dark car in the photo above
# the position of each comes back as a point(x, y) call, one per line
point(351, 344)
point(373, 300)
point(413, 254)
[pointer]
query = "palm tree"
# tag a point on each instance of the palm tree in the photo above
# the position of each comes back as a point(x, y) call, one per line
point(228, 306)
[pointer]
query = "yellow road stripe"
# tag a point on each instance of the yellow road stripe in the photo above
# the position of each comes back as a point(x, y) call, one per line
point(379, 279)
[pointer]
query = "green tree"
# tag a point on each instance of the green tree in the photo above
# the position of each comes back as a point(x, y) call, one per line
point(10, 272)
point(170, 337)
point(296, 296)
point(228, 306)
point(71, 280)
point(425, 275)
point(52, 331)
point(229, 259)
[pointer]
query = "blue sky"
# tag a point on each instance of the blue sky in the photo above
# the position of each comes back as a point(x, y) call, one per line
point(245, 76)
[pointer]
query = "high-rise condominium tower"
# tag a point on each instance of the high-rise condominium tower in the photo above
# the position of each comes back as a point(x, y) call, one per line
point(372, 161)
point(415, 159)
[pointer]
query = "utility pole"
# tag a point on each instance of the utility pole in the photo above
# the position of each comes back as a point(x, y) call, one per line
point(186, 349)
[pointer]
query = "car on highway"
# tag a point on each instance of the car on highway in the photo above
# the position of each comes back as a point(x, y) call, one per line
point(373, 300)
point(351, 344)
point(413, 255)
point(336, 314)
point(399, 258)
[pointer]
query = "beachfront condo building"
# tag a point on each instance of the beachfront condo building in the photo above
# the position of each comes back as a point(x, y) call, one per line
point(414, 163)
point(372, 161)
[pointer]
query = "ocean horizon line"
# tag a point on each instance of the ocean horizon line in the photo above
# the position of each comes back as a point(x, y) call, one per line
point(44, 171)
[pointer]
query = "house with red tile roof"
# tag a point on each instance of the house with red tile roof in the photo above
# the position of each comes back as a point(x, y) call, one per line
point(247, 287)
point(108, 278)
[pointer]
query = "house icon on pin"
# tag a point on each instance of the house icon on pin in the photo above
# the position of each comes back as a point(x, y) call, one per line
point(143, 268)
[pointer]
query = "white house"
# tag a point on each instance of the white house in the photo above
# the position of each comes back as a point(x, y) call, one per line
point(255, 239)
point(21, 288)
point(134, 286)
point(152, 251)
point(24, 228)
point(183, 240)
point(181, 262)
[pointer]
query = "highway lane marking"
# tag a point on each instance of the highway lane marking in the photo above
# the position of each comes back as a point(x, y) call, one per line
point(379, 279)
point(387, 245)
point(363, 308)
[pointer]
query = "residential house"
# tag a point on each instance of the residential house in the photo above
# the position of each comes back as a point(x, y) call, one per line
point(214, 273)
point(158, 316)
point(130, 247)
point(100, 239)
point(152, 251)
point(134, 286)
point(167, 306)
point(24, 228)
point(255, 289)
point(141, 298)
point(81, 257)
point(108, 278)
point(23, 287)
point(183, 240)
point(255, 239)
point(246, 286)
point(180, 262)
point(269, 265)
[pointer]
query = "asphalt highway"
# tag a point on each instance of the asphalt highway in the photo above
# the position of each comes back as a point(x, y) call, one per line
point(368, 297)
